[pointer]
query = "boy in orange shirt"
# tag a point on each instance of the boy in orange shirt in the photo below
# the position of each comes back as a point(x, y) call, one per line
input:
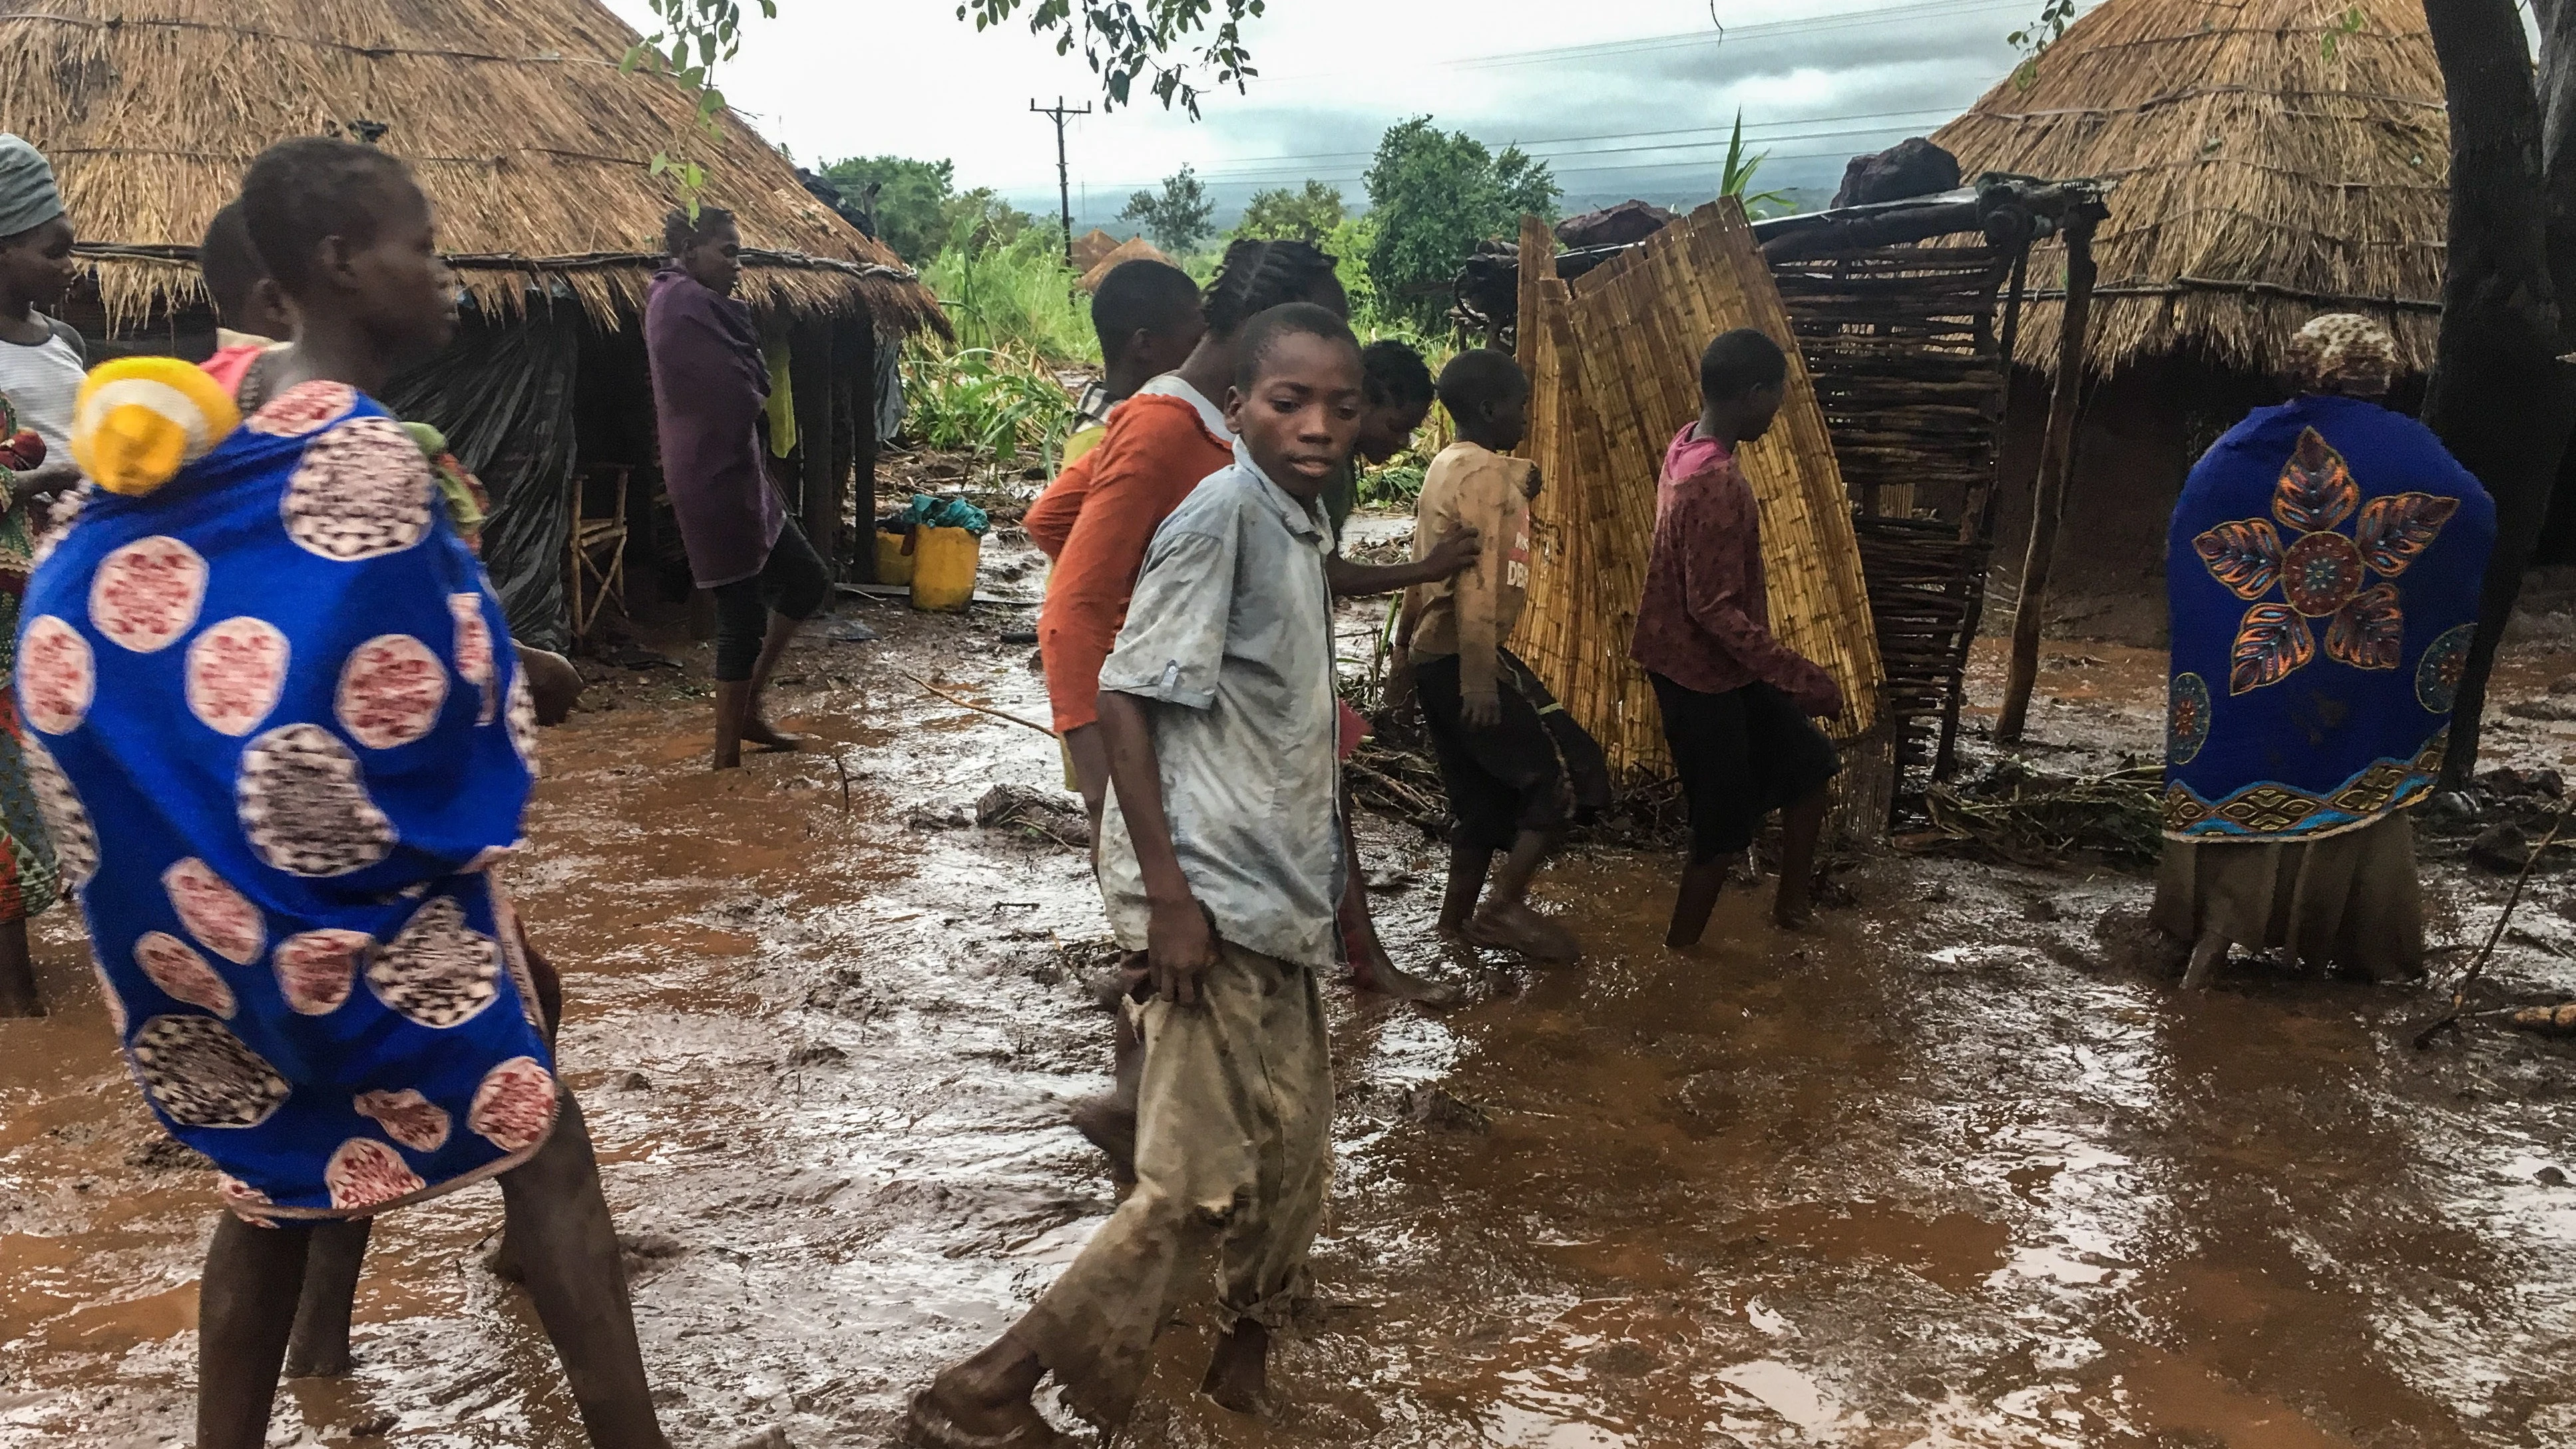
point(1148, 318)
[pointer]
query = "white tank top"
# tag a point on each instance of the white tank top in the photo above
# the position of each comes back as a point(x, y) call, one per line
point(42, 382)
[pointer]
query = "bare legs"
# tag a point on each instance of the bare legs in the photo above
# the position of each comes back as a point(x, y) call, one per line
point(741, 703)
point(1702, 882)
point(1505, 920)
point(245, 1309)
point(17, 973)
point(319, 1347)
point(1801, 825)
point(985, 1399)
point(255, 1277)
point(1238, 1377)
point(755, 723)
point(568, 1247)
point(1090, 756)
point(1371, 968)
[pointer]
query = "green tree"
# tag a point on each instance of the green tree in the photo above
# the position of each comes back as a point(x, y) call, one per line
point(1123, 41)
point(1178, 218)
point(910, 204)
point(980, 218)
point(1350, 244)
point(1434, 195)
point(1736, 179)
point(1308, 215)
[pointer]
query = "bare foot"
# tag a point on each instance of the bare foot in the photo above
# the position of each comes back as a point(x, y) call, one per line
point(1792, 914)
point(502, 1261)
point(766, 735)
point(18, 995)
point(1112, 985)
point(1518, 928)
point(981, 1405)
point(1388, 979)
point(1239, 1376)
point(2206, 957)
point(312, 1363)
point(1107, 1125)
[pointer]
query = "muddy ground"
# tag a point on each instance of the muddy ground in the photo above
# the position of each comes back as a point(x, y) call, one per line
point(1961, 1168)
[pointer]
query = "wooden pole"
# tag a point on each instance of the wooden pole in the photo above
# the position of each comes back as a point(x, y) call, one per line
point(2056, 461)
point(2498, 396)
point(810, 373)
point(863, 367)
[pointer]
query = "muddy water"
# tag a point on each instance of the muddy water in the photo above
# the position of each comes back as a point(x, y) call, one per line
point(1960, 1169)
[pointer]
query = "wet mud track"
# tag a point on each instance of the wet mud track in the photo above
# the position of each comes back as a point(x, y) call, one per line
point(1961, 1168)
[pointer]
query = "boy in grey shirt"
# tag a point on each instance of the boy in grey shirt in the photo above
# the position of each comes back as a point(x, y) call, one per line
point(1221, 857)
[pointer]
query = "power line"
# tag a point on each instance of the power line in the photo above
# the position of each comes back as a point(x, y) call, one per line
point(1260, 174)
point(1754, 132)
point(1270, 168)
point(1063, 175)
point(1805, 25)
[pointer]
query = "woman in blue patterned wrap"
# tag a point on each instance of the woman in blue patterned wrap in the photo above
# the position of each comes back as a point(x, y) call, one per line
point(2323, 569)
point(279, 728)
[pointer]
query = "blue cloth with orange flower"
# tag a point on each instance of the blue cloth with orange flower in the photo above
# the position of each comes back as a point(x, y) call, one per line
point(2323, 570)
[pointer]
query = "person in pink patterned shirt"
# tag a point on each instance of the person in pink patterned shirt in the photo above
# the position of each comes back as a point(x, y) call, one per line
point(1737, 703)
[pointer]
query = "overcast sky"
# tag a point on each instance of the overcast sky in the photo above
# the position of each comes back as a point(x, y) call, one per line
point(1635, 101)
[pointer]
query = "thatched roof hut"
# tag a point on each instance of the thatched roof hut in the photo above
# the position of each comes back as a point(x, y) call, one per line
point(1134, 249)
point(2270, 165)
point(536, 148)
point(538, 151)
point(1090, 247)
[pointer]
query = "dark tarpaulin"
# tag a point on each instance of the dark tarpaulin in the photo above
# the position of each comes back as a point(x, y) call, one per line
point(503, 395)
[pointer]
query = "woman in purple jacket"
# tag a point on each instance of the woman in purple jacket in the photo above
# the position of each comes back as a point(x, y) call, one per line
point(709, 387)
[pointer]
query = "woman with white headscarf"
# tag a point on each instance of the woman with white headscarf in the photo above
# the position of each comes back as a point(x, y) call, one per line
point(42, 361)
point(2323, 568)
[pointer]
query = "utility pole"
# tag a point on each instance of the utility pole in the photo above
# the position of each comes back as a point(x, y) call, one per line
point(1063, 177)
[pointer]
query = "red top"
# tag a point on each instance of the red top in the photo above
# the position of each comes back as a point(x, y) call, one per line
point(227, 366)
point(1155, 452)
point(1705, 621)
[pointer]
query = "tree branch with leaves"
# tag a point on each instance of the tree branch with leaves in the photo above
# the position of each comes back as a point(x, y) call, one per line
point(1172, 46)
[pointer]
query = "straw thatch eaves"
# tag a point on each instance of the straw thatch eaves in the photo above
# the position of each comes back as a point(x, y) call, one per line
point(2270, 166)
point(516, 117)
point(1134, 249)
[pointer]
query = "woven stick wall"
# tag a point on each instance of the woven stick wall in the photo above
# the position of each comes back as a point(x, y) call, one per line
point(1901, 342)
point(1613, 360)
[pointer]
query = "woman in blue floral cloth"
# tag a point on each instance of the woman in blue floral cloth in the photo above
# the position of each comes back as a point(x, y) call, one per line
point(2323, 569)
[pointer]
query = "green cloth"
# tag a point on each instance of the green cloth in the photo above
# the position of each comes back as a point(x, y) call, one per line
point(29, 877)
point(782, 399)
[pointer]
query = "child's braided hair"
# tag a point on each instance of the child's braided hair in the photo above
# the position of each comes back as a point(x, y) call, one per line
point(1393, 372)
point(1258, 275)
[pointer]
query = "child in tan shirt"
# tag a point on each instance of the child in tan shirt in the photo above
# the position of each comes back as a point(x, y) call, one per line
point(1496, 757)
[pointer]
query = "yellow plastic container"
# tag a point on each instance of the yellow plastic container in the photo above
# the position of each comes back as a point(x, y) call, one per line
point(943, 568)
point(894, 557)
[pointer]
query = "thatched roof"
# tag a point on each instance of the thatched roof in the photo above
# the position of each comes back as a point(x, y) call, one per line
point(2261, 180)
point(535, 148)
point(1090, 247)
point(1134, 249)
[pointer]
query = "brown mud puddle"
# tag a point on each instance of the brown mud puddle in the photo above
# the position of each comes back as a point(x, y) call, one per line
point(1954, 1171)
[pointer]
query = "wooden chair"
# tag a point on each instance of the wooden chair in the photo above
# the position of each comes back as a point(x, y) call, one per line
point(595, 574)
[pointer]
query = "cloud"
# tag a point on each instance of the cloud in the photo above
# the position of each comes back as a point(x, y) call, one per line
point(1638, 107)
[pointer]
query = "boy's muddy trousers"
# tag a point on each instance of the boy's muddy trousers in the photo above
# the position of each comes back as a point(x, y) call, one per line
point(1233, 1157)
